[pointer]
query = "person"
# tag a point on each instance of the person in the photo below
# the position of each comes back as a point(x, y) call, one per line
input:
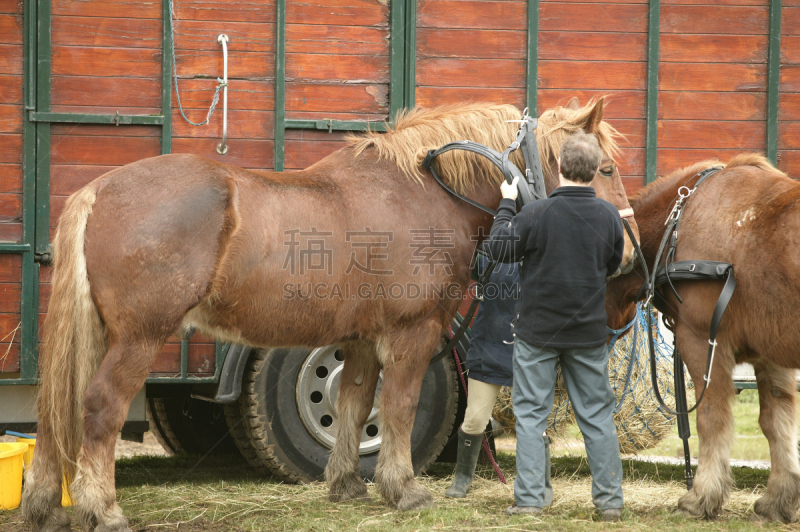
point(567, 245)
point(489, 368)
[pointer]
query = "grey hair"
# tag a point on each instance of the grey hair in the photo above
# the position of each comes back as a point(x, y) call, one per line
point(580, 157)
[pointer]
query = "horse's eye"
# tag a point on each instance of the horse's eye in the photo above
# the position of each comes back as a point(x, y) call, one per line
point(607, 172)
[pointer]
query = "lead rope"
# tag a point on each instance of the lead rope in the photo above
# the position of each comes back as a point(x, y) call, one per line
point(486, 447)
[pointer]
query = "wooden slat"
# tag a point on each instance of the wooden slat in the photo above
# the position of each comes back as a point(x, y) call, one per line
point(106, 32)
point(789, 162)
point(12, 89)
point(105, 92)
point(790, 19)
point(619, 104)
point(109, 8)
point(241, 125)
point(714, 48)
point(242, 94)
point(790, 49)
point(103, 130)
point(721, 2)
point(10, 179)
point(243, 36)
point(339, 13)
point(471, 73)
point(9, 356)
point(10, 29)
point(587, 75)
point(336, 40)
point(10, 148)
point(431, 96)
point(202, 63)
point(9, 299)
point(10, 268)
point(241, 152)
point(711, 134)
point(471, 14)
point(11, 59)
point(223, 11)
point(592, 17)
point(319, 98)
point(10, 119)
point(671, 159)
point(325, 115)
point(789, 106)
point(732, 20)
point(593, 46)
point(633, 129)
point(680, 105)
point(327, 68)
point(473, 44)
point(789, 135)
point(299, 155)
point(64, 180)
point(11, 6)
point(712, 77)
point(104, 110)
point(106, 62)
point(103, 151)
point(11, 232)
point(790, 78)
point(10, 208)
point(632, 162)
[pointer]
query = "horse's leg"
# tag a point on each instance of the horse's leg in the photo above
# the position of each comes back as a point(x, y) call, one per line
point(776, 391)
point(405, 355)
point(41, 504)
point(714, 425)
point(106, 402)
point(354, 403)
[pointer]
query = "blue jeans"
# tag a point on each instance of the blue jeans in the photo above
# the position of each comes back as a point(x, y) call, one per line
point(585, 372)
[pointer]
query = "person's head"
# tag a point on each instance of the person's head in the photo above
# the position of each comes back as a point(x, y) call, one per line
point(580, 157)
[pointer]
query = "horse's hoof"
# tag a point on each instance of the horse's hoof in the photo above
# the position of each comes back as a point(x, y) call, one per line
point(693, 506)
point(417, 498)
point(766, 511)
point(348, 488)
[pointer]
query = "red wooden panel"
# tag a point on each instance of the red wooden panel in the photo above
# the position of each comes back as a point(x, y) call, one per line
point(10, 268)
point(789, 162)
point(10, 208)
point(338, 12)
point(242, 94)
point(302, 154)
point(243, 36)
point(592, 17)
point(319, 98)
point(10, 119)
point(619, 104)
point(10, 178)
point(202, 358)
point(722, 2)
point(790, 78)
point(594, 46)
point(9, 356)
point(336, 40)
point(713, 48)
point(200, 362)
point(109, 8)
point(10, 29)
point(327, 68)
point(64, 180)
point(9, 298)
point(259, 11)
point(631, 163)
point(790, 23)
point(474, 44)
point(733, 20)
point(471, 72)
point(241, 124)
point(712, 77)
point(106, 62)
point(12, 89)
point(106, 32)
point(592, 75)
point(246, 153)
point(790, 49)
point(10, 148)
point(679, 105)
point(633, 129)
point(98, 130)
point(200, 63)
point(317, 115)
point(789, 106)
point(789, 135)
point(11, 59)
point(104, 151)
point(11, 6)
point(105, 92)
point(432, 96)
point(711, 134)
point(10, 232)
point(670, 159)
point(472, 14)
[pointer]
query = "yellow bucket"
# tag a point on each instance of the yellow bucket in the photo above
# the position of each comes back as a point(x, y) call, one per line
point(11, 474)
point(28, 460)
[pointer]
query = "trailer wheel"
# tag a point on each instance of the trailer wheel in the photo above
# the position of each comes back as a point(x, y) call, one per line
point(286, 423)
point(184, 425)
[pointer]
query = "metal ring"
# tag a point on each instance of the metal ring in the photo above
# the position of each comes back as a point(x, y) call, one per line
point(682, 194)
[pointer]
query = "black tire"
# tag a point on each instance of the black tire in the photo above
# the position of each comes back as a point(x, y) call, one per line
point(273, 436)
point(184, 425)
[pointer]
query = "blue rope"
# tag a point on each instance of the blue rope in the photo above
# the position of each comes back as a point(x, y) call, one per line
point(220, 83)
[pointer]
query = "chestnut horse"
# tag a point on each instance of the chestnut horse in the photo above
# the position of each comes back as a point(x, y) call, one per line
point(179, 240)
point(747, 215)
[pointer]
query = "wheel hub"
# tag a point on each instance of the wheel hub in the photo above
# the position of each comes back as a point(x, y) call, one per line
point(316, 392)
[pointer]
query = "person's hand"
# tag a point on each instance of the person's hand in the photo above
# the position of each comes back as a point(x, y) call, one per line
point(509, 191)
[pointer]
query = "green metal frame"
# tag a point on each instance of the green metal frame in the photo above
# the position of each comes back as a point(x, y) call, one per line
point(532, 61)
point(773, 75)
point(651, 131)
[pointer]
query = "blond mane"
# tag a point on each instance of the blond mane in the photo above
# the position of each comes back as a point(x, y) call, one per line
point(416, 131)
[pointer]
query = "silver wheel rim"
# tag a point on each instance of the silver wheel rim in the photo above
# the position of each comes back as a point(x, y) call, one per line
point(316, 392)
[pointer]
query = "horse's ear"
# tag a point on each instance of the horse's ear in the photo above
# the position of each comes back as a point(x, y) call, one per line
point(595, 116)
point(573, 103)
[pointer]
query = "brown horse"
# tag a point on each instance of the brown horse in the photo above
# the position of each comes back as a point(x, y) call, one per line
point(747, 215)
point(305, 258)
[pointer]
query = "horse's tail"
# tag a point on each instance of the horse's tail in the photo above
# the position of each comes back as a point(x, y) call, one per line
point(74, 340)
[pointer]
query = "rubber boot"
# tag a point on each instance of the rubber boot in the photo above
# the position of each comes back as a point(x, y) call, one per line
point(548, 487)
point(469, 447)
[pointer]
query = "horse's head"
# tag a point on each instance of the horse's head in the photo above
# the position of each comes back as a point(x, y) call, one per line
point(555, 125)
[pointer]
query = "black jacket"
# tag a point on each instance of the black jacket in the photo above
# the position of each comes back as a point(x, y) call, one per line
point(568, 244)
